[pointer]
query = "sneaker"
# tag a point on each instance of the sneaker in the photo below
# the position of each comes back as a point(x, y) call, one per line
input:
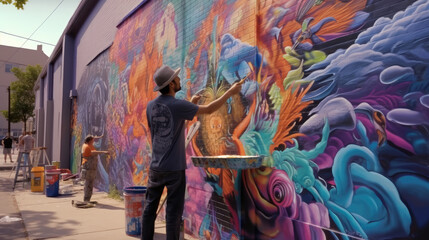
point(80, 204)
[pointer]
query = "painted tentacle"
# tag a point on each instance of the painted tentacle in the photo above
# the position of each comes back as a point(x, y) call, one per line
point(345, 219)
point(396, 220)
point(335, 211)
point(320, 147)
point(343, 193)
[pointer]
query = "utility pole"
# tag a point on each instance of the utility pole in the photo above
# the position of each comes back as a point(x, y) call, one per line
point(8, 111)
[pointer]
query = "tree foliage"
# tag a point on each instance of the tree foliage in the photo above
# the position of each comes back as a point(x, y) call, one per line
point(22, 97)
point(19, 4)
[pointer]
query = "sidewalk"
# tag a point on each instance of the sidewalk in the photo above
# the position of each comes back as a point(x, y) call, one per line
point(56, 218)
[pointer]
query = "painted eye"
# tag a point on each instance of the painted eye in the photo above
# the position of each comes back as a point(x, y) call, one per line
point(379, 118)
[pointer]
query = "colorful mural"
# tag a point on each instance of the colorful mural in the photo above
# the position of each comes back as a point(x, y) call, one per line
point(89, 117)
point(336, 101)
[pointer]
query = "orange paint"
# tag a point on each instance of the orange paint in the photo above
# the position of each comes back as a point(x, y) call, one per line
point(290, 113)
point(241, 127)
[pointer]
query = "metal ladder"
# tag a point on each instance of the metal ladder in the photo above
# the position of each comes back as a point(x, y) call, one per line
point(34, 162)
point(18, 167)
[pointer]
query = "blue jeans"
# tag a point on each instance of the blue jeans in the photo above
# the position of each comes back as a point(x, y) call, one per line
point(175, 182)
point(25, 165)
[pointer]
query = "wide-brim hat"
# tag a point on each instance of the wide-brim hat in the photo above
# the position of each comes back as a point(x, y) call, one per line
point(163, 76)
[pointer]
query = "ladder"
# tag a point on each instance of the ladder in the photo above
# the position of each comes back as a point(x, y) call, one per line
point(32, 162)
point(18, 166)
point(40, 152)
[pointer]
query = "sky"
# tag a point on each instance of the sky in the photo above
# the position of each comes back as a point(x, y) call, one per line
point(24, 22)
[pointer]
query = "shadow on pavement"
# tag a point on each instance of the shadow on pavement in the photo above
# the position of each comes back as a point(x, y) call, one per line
point(50, 226)
point(108, 207)
point(15, 229)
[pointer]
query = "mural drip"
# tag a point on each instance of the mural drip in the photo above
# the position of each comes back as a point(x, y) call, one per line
point(336, 100)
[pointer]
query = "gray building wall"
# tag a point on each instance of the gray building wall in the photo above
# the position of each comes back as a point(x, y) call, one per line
point(57, 109)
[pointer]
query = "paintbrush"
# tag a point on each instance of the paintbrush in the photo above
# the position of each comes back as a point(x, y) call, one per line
point(200, 93)
point(242, 80)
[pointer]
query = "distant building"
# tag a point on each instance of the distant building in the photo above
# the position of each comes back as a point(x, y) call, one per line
point(11, 57)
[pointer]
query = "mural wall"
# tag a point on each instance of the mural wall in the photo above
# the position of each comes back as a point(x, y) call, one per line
point(336, 100)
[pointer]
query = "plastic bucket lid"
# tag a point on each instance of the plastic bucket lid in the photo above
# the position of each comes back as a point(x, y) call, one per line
point(47, 167)
point(135, 190)
point(53, 171)
point(37, 169)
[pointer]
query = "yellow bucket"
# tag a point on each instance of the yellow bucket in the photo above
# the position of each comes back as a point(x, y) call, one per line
point(37, 179)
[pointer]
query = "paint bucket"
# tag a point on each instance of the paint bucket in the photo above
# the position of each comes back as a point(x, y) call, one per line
point(49, 167)
point(56, 164)
point(134, 204)
point(37, 179)
point(52, 182)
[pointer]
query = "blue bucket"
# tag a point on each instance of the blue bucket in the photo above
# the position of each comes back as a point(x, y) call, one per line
point(134, 204)
point(52, 180)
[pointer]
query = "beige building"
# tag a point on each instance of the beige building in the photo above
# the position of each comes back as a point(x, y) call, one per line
point(11, 57)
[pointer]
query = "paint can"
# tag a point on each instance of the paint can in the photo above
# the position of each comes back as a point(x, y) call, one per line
point(47, 167)
point(134, 204)
point(56, 164)
point(37, 179)
point(52, 182)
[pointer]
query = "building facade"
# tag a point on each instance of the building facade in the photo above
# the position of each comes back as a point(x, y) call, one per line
point(336, 100)
point(11, 57)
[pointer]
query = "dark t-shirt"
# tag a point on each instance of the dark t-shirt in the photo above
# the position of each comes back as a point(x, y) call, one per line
point(166, 116)
point(7, 142)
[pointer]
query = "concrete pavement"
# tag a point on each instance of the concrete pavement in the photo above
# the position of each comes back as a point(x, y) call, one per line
point(55, 217)
point(9, 211)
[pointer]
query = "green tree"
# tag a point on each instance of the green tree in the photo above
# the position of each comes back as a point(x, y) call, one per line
point(22, 97)
point(19, 4)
